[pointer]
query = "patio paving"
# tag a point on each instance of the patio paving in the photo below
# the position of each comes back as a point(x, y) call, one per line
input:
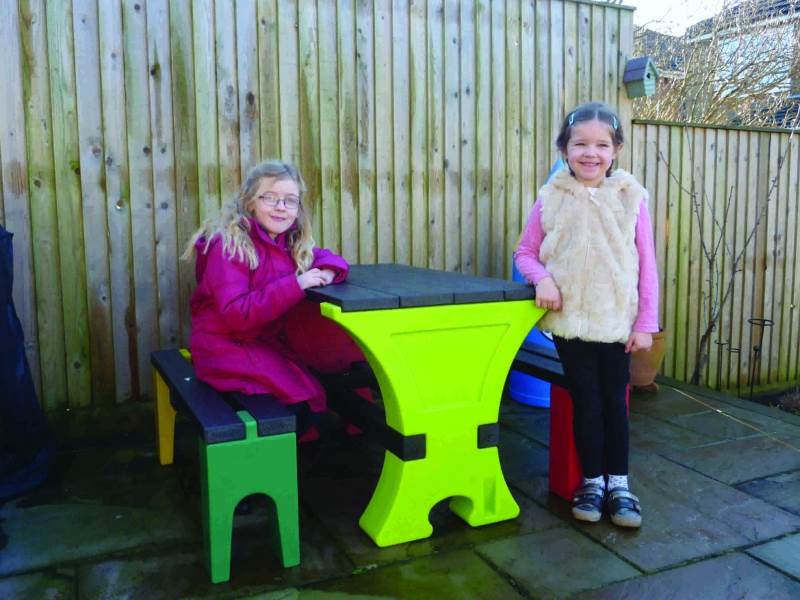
point(719, 480)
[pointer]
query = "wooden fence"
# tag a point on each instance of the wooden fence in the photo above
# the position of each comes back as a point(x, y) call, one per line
point(736, 192)
point(421, 127)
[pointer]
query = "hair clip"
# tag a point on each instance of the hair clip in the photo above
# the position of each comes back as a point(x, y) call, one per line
point(571, 119)
point(615, 123)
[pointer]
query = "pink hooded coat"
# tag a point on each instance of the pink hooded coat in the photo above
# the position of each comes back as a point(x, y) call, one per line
point(254, 332)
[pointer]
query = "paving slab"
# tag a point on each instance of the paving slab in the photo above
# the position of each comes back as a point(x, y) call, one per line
point(525, 466)
point(54, 534)
point(783, 554)
point(687, 516)
point(741, 460)
point(459, 574)
point(338, 504)
point(781, 490)
point(181, 572)
point(53, 585)
point(530, 421)
point(650, 434)
point(722, 578)
point(668, 403)
point(555, 563)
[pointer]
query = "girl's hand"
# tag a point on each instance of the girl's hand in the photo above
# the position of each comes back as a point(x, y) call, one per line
point(313, 278)
point(328, 274)
point(548, 294)
point(638, 341)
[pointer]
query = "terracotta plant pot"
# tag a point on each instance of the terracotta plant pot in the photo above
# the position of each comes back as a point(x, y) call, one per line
point(645, 364)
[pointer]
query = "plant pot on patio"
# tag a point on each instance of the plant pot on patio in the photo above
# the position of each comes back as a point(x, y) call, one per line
point(645, 364)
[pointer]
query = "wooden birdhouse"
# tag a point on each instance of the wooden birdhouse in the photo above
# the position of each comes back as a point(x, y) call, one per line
point(640, 77)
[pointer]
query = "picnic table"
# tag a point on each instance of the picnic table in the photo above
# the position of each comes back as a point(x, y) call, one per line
point(440, 345)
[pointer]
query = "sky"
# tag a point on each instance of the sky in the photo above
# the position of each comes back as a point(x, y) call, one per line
point(672, 16)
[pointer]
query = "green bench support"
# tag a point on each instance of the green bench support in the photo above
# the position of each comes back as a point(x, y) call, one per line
point(247, 446)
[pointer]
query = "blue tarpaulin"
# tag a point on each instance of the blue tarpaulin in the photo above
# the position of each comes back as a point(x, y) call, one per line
point(26, 446)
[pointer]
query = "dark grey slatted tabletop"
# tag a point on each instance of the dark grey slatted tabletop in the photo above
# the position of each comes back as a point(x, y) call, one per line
point(371, 287)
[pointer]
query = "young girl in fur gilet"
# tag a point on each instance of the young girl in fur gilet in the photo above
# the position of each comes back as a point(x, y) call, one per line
point(588, 249)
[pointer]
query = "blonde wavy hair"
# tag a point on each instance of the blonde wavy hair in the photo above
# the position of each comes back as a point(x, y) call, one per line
point(233, 226)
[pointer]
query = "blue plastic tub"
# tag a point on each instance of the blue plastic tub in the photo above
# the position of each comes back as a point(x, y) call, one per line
point(524, 388)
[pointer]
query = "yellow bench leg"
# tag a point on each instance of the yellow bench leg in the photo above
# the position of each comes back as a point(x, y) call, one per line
point(165, 421)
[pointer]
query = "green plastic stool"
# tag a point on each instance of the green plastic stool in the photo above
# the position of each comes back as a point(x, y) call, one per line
point(232, 470)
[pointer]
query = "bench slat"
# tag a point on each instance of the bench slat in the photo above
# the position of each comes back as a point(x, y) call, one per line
point(271, 416)
point(541, 367)
point(216, 419)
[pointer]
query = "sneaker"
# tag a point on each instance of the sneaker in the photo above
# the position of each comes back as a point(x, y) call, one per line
point(624, 508)
point(587, 503)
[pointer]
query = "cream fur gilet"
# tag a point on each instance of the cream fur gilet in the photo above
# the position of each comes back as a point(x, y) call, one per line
point(590, 250)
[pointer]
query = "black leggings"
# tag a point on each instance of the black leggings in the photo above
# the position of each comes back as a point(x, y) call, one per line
point(597, 374)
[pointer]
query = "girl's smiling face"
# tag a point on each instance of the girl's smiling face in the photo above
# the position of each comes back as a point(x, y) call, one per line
point(275, 205)
point(590, 151)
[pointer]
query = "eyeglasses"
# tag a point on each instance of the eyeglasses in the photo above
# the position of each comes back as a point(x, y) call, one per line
point(271, 200)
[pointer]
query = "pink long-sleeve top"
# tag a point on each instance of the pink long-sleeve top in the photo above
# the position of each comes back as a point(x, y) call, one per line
point(527, 260)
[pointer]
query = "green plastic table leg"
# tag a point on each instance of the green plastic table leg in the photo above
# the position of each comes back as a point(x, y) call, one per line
point(441, 371)
point(232, 470)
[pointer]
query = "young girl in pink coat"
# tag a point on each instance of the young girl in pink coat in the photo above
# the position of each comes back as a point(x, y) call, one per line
point(250, 319)
point(588, 249)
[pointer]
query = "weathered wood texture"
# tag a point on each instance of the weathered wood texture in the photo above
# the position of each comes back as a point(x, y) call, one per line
point(725, 192)
point(422, 129)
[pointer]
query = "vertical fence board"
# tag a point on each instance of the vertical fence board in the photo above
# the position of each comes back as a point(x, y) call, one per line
point(513, 127)
point(365, 131)
point(15, 207)
point(611, 57)
point(556, 81)
point(784, 232)
point(542, 90)
point(498, 144)
point(184, 138)
point(467, 142)
point(90, 139)
point(401, 165)
point(348, 130)
point(669, 295)
point(571, 65)
point(269, 79)
point(624, 105)
point(68, 194)
point(707, 237)
point(598, 23)
point(288, 81)
point(660, 202)
point(117, 198)
point(308, 48)
point(163, 157)
point(384, 164)
point(527, 114)
point(365, 110)
point(329, 199)
point(436, 124)
point(774, 259)
point(247, 85)
point(584, 74)
point(452, 146)
point(141, 186)
point(227, 99)
point(792, 293)
point(483, 133)
point(205, 94)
